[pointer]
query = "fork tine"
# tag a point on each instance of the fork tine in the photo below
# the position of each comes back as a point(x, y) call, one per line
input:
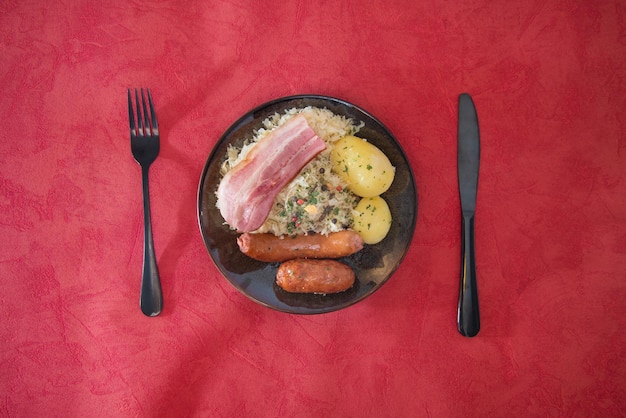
point(131, 115)
point(139, 121)
point(155, 124)
point(145, 114)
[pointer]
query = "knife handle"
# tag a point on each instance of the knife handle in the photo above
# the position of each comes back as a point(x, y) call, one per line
point(468, 319)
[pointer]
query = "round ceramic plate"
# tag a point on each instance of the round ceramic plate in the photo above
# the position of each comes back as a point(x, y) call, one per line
point(373, 265)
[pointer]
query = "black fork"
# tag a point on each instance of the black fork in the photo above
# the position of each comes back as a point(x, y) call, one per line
point(144, 143)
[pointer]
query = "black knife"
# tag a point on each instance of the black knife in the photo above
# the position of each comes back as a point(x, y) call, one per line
point(468, 317)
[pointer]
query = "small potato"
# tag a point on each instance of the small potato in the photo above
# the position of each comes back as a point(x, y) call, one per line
point(372, 219)
point(362, 165)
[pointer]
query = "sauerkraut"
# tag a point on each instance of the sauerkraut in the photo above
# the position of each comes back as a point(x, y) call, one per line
point(316, 200)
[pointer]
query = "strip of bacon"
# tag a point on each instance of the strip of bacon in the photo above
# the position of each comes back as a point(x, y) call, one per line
point(246, 193)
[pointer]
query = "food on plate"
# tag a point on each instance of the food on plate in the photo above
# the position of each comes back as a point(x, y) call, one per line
point(293, 189)
point(270, 248)
point(365, 168)
point(245, 195)
point(372, 219)
point(314, 276)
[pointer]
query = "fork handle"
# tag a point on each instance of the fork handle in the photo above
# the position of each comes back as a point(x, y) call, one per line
point(151, 297)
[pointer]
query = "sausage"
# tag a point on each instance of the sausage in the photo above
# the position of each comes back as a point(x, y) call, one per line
point(314, 276)
point(270, 248)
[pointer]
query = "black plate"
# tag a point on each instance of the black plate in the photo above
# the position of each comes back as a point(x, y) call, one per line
point(373, 265)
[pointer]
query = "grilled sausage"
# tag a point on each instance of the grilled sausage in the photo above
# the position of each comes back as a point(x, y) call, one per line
point(270, 248)
point(314, 276)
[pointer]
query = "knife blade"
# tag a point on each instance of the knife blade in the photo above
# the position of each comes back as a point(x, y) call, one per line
point(468, 316)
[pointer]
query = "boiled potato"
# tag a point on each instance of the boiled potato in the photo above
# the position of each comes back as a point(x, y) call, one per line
point(362, 165)
point(372, 219)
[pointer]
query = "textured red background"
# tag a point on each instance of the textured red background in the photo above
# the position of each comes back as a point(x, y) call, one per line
point(549, 81)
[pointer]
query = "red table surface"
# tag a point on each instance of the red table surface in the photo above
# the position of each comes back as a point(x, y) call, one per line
point(549, 82)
